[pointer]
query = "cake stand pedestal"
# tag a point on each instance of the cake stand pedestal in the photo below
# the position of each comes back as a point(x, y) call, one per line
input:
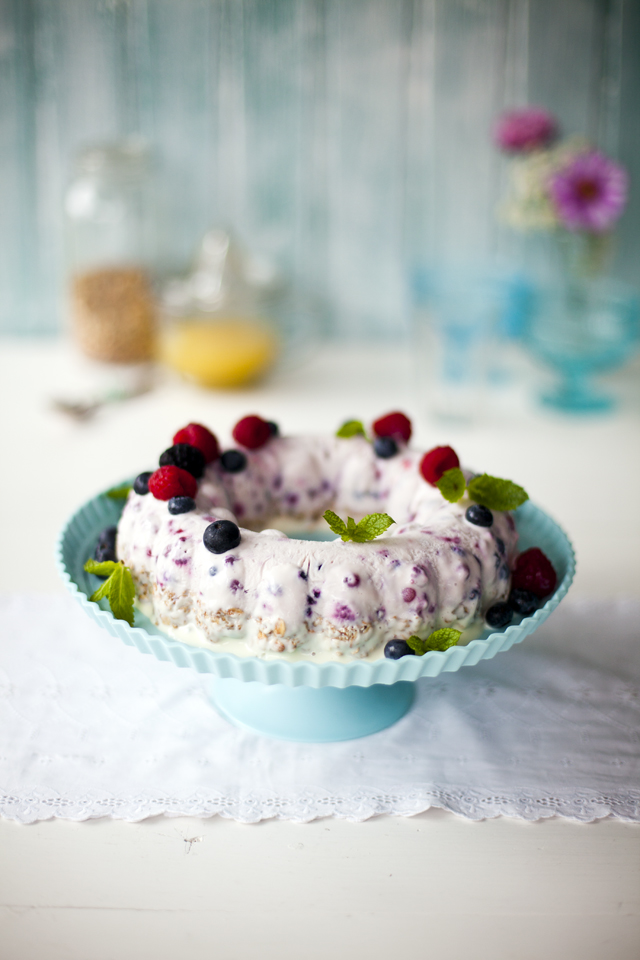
point(308, 714)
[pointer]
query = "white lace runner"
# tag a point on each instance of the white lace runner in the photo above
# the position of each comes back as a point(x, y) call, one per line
point(92, 728)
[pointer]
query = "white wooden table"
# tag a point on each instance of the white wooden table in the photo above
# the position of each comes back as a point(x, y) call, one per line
point(433, 885)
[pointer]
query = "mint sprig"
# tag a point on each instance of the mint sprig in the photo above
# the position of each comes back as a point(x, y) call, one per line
point(438, 640)
point(491, 492)
point(496, 494)
point(369, 527)
point(118, 589)
point(120, 493)
point(452, 484)
point(351, 428)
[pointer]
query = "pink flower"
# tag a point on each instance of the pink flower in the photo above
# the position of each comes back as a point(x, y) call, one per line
point(589, 193)
point(521, 131)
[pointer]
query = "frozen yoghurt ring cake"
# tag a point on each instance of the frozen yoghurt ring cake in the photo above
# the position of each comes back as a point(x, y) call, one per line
point(202, 539)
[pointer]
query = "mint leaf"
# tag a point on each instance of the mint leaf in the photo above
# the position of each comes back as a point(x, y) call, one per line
point(417, 645)
point(438, 640)
point(496, 494)
point(443, 639)
point(119, 589)
point(369, 527)
point(335, 523)
point(351, 428)
point(452, 484)
point(372, 526)
point(103, 568)
point(119, 493)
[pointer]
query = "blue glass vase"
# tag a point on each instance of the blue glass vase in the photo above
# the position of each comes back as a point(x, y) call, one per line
point(584, 324)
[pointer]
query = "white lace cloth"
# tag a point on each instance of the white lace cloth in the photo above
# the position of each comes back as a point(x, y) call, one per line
point(91, 728)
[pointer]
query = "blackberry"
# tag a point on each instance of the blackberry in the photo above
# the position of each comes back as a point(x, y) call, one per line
point(479, 515)
point(221, 535)
point(274, 428)
point(499, 615)
point(395, 649)
point(233, 461)
point(106, 545)
point(186, 457)
point(523, 601)
point(181, 505)
point(385, 447)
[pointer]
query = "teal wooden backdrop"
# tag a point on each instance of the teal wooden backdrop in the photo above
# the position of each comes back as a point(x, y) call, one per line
point(346, 138)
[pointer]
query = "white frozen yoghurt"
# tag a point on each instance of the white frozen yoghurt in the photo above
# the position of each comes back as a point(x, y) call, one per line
point(278, 594)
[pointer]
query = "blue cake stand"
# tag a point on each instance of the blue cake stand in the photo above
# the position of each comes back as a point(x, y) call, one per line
point(305, 701)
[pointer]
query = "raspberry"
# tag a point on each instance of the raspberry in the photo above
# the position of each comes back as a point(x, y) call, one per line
point(198, 436)
point(168, 482)
point(534, 572)
point(251, 432)
point(436, 462)
point(393, 425)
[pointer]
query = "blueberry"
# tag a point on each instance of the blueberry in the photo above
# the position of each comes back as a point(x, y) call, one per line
point(233, 461)
point(181, 505)
point(274, 428)
point(186, 457)
point(479, 515)
point(523, 601)
point(221, 535)
point(106, 546)
point(395, 649)
point(499, 615)
point(141, 483)
point(385, 447)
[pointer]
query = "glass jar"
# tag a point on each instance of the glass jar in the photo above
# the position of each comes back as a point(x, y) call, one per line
point(223, 323)
point(110, 221)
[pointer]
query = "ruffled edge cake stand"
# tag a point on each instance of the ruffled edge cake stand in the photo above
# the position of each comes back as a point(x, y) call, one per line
point(305, 701)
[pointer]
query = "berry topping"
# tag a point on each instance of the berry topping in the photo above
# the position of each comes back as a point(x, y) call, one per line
point(395, 649)
point(198, 436)
point(233, 461)
point(141, 483)
point(221, 535)
point(534, 572)
point(181, 505)
point(385, 447)
point(479, 515)
point(523, 601)
point(436, 462)
point(186, 457)
point(106, 546)
point(170, 481)
point(499, 615)
point(274, 429)
point(393, 425)
point(251, 432)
